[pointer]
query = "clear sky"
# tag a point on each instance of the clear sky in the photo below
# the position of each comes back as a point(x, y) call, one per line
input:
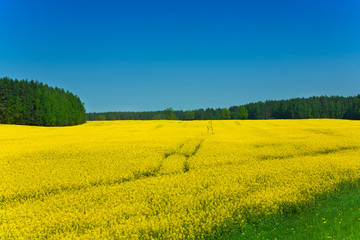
point(149, 55)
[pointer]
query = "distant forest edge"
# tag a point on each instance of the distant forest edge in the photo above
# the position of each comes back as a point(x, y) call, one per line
point(33, 103)
point(297, 108)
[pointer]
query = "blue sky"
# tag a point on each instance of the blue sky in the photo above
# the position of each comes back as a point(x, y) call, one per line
point(150, 55)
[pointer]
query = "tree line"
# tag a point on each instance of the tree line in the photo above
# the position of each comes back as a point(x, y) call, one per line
point(169, 114)
point(300, 108)
point(34, 103)
point(297, 108)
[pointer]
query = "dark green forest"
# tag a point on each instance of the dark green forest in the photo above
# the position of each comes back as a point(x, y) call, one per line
point(296, 108)
point(33, 103)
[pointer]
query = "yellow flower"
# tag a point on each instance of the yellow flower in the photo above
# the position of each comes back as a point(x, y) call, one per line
point(166, 179)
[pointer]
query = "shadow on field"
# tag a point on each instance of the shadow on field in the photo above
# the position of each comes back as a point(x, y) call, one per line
point(333, 215)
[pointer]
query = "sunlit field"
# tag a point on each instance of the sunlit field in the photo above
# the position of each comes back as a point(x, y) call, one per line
point(168, 179)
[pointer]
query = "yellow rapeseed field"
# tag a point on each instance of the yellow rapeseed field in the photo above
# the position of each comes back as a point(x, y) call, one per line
point(167, 179)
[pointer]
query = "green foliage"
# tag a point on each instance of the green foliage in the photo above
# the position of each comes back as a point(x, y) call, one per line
point(102, 117)
point(157, 117)
point(169, 114)
point(189, 115)
point(239, 112)
point(313, 107)
point(33, 103)
point(225, 113)
point(242, 113)
point(297, 108)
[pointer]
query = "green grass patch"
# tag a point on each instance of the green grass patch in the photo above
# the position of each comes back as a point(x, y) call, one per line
point(335, 216)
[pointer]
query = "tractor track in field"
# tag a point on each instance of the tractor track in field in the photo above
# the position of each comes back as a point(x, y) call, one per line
point(310, 154)
point(43, 193)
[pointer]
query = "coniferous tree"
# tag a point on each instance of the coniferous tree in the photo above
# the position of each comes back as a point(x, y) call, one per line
point(296, 108)
point(189, 115)
point(34, 103)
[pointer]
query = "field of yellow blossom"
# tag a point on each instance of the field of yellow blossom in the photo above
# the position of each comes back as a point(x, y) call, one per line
point(167, 179)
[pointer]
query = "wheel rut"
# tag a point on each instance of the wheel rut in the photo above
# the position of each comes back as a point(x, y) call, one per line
point(185, 150)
